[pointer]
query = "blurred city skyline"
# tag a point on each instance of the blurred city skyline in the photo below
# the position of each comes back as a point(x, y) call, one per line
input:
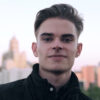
point(17, 19)
point(15, 66)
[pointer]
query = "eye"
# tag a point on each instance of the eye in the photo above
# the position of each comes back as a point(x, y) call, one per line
point(47, 39)
point(67, 40)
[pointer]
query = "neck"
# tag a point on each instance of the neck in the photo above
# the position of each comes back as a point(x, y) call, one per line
point(57, 80)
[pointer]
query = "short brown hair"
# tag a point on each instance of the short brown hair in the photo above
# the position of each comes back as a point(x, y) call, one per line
point(64, 11)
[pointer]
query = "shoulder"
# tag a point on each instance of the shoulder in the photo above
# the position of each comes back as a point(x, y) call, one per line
point(12, 89)
point(11, 86)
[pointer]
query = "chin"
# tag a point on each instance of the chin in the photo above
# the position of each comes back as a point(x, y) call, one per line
point(56, 71)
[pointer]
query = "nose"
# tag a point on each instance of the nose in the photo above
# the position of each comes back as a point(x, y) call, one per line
point(57, 45)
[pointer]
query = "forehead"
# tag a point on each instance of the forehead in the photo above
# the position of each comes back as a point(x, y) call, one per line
point(57, 26)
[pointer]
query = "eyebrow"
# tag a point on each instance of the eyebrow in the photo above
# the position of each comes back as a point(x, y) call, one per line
point(68, 35)
point(63, 35)
point(47, 34)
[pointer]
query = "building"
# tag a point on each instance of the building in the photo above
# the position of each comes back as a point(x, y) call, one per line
point(13, 57)
point(14, 64)
point(98, 76)
point(89, 76)
point(14, 74)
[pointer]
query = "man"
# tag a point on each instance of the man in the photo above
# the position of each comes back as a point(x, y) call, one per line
point(57, 30)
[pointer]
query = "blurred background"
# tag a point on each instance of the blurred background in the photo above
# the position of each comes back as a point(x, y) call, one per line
point(17, 34)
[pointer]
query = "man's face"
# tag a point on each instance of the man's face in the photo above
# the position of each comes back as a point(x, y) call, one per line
point(57, 45)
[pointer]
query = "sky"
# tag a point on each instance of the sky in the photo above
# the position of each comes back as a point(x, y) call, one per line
point(17, 19)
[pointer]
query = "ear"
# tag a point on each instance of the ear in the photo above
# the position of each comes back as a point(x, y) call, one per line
point(34, 49)
point(79, 49)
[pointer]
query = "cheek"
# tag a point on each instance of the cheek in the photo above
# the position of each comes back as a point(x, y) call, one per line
point(72, 50)
point(41, 50)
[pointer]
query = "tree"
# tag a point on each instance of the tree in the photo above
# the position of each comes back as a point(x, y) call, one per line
point(93, 92)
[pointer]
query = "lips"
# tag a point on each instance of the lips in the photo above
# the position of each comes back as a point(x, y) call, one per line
point(57, 57)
